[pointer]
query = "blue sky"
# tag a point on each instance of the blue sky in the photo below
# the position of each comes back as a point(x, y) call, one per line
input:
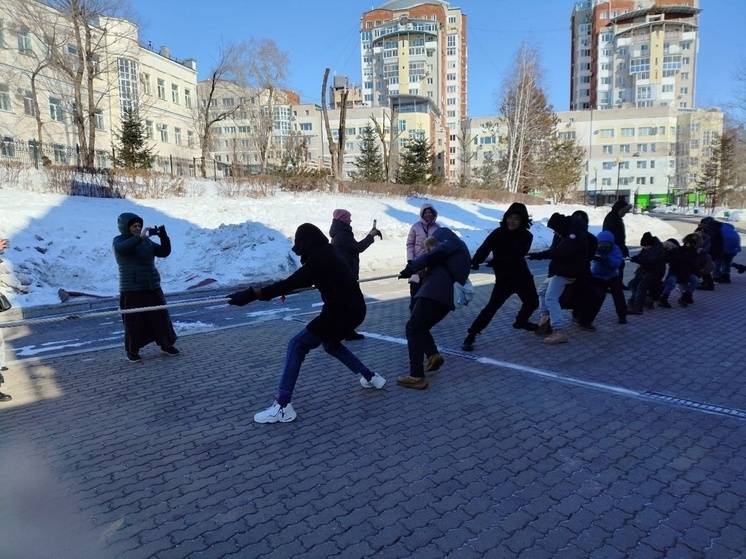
point(321, 33)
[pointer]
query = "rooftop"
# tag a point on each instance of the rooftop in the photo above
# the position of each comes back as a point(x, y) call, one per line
point(405, 4)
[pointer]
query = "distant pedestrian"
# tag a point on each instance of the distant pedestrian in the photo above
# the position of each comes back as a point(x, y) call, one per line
point(140, 286)
point(418, 233)
point(3, 397)
point(568, 260)
point(447, 263)
point(343, 240)
point(509, 244)
point(344, 310)
point(614, 222)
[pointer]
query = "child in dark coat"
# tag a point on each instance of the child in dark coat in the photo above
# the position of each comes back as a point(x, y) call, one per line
point(651, 268)
point(682, 263)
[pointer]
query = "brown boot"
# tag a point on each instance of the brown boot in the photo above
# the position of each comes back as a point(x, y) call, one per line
point(434, 362)
point(556, 337)
point(418, 383)
point(544, 328)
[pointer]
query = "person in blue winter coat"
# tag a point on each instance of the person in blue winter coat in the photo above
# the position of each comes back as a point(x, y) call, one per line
point(731, 247)
point(605, 273)
point(447, 263)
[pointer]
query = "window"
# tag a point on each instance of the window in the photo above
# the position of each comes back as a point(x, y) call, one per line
point(585, 52)
point(161, 89)
point(652, 163)
point(684, 75)
point(99, 119)
point(148, 128)
point(451, 19)
point(624, 165)
point(672, 62)
point(28, 103)
point(606, 132)
point(55, 109)
point(350, 131)
point(642, 148)
point(585, 79)
point(647, 131)
point(686, 60)
point(452, 150)
point(228, 102)
point(694, 144)
point(652, 180)
point(177, 136)
point(145, 83)
point(451, 77)
point(687, 45)
point(638, 65)
point(188, 98)
point(640, 180)
point(623, 148)
point(7, 147)
point(642, 164)
point(451, 114)
point(451, 89)
point(606, 182)
point(127, 76)
point(451, 101)
point(643, 92)
point(60, 154)
point(628, 132)
point(163, 129)
point(606, 66)
point(306, 126)
point(667, 88)
point(684, 90)
point(24, 41)
point(402, 125)
point(175, 93)
point(607, 165)
point(608, 150)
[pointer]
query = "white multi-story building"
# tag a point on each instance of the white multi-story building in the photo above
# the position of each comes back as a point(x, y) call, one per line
point(634, 53)
point(129, 76)
point(417, 48)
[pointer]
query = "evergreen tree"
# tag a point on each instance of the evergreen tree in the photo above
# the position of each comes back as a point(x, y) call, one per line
point(369, 164)
point(132, 152)
point(415, 162)
point(562, 163)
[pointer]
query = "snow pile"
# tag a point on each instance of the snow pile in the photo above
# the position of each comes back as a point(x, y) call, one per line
point(65, 242)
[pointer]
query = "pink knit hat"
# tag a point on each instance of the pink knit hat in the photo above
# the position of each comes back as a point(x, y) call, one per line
point(342, 215)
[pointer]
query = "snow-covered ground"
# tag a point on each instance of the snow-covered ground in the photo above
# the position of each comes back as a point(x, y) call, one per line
point(65, 242)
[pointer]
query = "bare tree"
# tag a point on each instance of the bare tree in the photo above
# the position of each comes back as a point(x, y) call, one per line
point(93, 30)
point(467, 154)
point(230, 66)
point(336, 148)
point(325, 112)
point(266, 72)
point(389, 136)
point(528, 117)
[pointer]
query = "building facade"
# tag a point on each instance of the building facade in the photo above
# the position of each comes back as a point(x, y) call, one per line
point(634, 53)
point(418, 48)
point(129, 77)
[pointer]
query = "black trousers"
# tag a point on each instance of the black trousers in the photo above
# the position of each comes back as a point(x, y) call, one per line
point(526, 291)
point(614, 285)
point(413, 289)
point(426, 313)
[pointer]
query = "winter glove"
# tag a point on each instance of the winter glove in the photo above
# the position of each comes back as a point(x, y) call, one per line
point(375, 233)
point(406, 273)
point(162, 231)
point(241, 298)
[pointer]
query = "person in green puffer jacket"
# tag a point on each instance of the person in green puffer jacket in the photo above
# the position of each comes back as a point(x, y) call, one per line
point(140, 286)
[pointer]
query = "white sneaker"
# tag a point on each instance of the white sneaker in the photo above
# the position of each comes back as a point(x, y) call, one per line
point(275, 414)
point(376, 382)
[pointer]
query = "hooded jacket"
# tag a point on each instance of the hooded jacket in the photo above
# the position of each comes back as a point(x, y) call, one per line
point(349, 249)
point(606, 265)
point(568, 253)
point(508, 248)
point(731, 239)
point(651, 259)
point(613, 222)
point(418, 233)
point(135, 256)
point(322, 267)
point(714, 229)
point(580, 222)
point(682, 260)
point(447, 263)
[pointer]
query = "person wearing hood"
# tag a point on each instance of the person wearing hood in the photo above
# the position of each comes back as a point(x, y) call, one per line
point(509, 244)
point(343, 240)
point(605, 272)
point(567, 261)
point(614, 222)
point(343, 310)
point(583, 295)
point(447, 263)
point(3, 397)
point(731, 247)
point(683, 262)
point(140, 286)
point(418, 234)
point(707, 263)
point(651, 268)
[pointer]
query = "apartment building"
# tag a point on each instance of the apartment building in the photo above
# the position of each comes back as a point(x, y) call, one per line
point(340, 85)
point(418, 48)
point(129, 76)
point(653, 153)
point(236, 140)
point(634, 53)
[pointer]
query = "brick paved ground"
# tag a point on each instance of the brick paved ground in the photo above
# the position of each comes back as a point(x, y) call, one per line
point(101, 458)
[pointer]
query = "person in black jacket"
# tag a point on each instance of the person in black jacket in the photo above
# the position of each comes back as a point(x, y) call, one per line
point(509, 245)
point(447, 263)
point(712, 236)
point(343, 310)
point(614, 222)
point(583, 295)
point(349, 249)
point(683, 262)
point(649, 274)
point(568, 260)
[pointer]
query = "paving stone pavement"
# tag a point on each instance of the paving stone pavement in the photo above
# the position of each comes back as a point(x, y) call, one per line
point(102, 458)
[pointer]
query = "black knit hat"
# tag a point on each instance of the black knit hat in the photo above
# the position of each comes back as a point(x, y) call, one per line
point(647, 239)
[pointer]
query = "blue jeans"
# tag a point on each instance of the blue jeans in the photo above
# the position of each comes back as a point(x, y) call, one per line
point(549, 297)
point(298, 348)
point(671, 281)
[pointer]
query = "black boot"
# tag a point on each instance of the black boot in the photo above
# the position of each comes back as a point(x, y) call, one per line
point(468, 344)
point(354, 336)
point(663, 303)
point(740, 267)
point(688, 299)
point(525, 325)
